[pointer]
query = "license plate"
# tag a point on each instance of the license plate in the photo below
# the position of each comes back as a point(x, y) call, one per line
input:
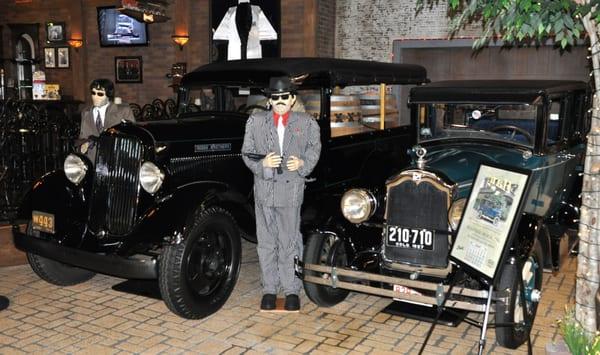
point(406, 290)
point(409, 238)
point(42, 221)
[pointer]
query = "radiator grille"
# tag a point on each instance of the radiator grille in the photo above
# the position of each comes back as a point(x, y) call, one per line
point(116, 185)
point(419, 203)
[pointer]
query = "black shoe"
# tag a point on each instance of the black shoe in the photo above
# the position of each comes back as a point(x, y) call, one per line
point(268, 302)
point(292, 303)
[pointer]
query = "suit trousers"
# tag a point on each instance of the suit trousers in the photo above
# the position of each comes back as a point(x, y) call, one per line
point(279, 240)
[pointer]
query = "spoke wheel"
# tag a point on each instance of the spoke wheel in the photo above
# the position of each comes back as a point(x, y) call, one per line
point(324, 249)
point(511, 310)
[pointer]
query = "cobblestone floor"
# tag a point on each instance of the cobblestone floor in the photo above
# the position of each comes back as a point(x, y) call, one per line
point(95, 319)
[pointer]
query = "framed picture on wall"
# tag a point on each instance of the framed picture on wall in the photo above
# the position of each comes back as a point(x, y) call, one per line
point(55, 32)
point(62, 57)
point(128, 69)
point(260, 26)
point(49, 57)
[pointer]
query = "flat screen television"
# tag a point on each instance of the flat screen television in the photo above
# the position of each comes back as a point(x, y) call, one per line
point(117, 29)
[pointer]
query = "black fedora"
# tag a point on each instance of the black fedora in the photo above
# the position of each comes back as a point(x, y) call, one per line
point(279, 84)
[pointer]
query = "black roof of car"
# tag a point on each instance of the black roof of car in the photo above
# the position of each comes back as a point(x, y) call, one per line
point(491, 90)
point(314, 72)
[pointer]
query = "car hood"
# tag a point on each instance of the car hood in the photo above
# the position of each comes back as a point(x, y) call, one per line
point(201, 127)
point(460, 162)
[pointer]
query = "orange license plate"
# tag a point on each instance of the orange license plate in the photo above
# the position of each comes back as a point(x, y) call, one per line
point(42, 221)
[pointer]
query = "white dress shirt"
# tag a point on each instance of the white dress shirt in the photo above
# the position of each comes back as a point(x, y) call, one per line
point(102, 110)
point(280, 132)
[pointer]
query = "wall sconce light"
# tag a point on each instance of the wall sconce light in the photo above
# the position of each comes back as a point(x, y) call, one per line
point(75, 43)
point(180, 40)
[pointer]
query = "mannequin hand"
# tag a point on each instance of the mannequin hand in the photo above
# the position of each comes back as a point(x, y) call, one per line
point(271, 160)
point(294, 163)
point(84, 147)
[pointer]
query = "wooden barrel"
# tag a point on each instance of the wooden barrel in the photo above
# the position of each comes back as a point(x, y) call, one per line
point(345, 109)
point(370, 107)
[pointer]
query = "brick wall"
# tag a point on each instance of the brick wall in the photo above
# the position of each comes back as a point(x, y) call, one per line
point(366, 29)
point(93, 61)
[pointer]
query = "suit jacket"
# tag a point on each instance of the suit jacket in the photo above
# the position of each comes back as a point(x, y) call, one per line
point(261, 30)
point(302, 139)
point(114, 115)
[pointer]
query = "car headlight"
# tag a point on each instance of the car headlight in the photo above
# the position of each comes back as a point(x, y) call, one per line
point(151, 178)
point(455, 213)
point(358, 205)
point(75, 168)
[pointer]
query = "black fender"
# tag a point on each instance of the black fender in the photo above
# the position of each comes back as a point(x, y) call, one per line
point(165, 222)
point(53, 193)
point(527, 232)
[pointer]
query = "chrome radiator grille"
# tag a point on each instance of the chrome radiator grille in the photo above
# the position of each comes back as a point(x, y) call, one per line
point(418, 200)
point(116, 185)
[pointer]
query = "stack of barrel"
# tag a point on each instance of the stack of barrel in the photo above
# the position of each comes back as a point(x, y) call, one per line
point(370, 105)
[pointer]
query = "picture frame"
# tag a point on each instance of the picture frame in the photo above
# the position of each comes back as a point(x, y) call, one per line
point(490, 220)
point(62, 57)
point(218, 11)
point(128, 69)
point(49, 57)
point(55, 32)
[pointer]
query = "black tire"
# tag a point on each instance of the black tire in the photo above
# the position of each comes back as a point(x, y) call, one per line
point(212, 246)
point(512, 280)
point(55, 272)
point(322, 249)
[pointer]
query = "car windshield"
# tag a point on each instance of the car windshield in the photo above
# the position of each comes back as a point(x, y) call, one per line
point(503, 122)
point(239, 99)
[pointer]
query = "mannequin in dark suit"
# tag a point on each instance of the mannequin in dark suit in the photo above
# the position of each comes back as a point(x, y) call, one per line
point(291, 144)
point(102, 92)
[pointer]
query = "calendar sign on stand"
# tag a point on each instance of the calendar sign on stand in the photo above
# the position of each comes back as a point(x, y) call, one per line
point(487, 229)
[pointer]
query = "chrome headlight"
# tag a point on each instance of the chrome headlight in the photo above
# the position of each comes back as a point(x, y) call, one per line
point(455, 213)
point(358, 205)
point(151, 178)
point(75, 168)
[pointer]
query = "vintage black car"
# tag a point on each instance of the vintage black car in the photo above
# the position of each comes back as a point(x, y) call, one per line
point(169, 200)
point(538, 126)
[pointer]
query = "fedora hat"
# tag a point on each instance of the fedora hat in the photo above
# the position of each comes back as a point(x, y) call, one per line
point(278, 84)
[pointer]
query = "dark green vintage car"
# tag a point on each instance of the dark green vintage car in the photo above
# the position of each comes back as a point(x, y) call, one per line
point(538, 126)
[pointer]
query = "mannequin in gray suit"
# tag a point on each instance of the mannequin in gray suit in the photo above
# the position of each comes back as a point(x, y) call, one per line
point(102, 115)
point(291, 144)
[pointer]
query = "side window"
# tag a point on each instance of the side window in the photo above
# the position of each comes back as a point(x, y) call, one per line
point(557, 115)
point(358, 110)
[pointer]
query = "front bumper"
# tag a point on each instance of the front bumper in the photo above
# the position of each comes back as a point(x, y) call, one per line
point(460, 298)
point(124, 267)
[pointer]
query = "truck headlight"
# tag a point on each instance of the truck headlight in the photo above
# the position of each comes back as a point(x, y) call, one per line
point(151, 178)
point(358, 205)
point(75, 168)
point(455, 213)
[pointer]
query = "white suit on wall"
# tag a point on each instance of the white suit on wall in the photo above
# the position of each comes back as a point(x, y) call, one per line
point(260, 30)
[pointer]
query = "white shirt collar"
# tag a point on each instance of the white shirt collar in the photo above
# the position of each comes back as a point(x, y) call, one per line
point(102, 110)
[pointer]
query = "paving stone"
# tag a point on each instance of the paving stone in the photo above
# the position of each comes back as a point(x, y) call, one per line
point(91, 318)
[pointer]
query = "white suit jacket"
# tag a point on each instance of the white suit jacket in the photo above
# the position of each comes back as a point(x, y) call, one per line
point(261, 30)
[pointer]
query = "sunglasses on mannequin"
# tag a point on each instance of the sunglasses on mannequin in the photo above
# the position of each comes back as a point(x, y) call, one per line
point(282, 97)
point(97, 93)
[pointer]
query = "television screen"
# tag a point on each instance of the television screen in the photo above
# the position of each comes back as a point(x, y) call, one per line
point(117, 29)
